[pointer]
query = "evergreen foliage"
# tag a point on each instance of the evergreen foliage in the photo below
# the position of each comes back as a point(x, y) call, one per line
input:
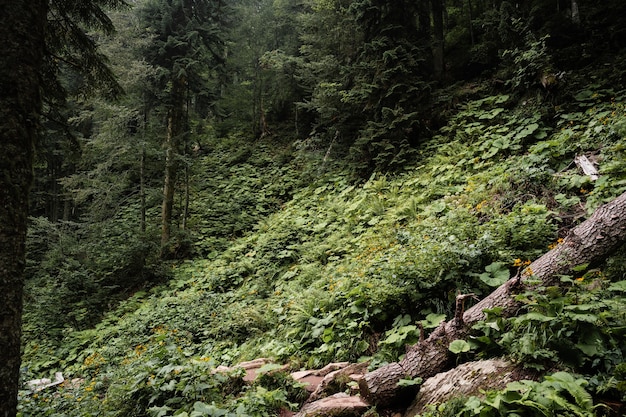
point(340, 194)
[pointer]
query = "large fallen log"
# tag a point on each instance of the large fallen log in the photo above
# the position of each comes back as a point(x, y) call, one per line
point(471, 378)
point(590, 242)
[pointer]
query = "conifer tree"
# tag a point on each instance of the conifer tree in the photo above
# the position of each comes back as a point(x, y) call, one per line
point(22, 31)
point(391, 82)
point(188, 47)
point(37, 40)
point(73, 68)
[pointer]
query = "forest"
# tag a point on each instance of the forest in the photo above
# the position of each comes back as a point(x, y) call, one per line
point(378, 208)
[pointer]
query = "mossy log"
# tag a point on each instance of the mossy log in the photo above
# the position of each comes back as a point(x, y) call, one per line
point(588, 243)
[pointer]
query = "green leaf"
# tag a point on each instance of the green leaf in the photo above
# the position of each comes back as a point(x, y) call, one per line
point(201, 409)
point(588, 349)
point(269, 367)
point(433, 320)
point(159, 411)
point(533, 316)
point(459, 346)
point(438, 206)
point(497, 274)
point(170, 386)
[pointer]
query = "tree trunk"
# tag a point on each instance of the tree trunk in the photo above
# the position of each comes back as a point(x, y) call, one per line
point(438, 41)
point(22, 27)
point(472, 378)
point(424, 33)
point(575, 12)
point(142, 188)
point(590, 242)
point(175, 131)
point(470, 18)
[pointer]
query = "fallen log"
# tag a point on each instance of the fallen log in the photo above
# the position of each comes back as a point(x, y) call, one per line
point(471, 378)
point(589, 242)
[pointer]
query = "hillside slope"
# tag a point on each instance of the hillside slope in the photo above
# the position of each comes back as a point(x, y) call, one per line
point(351, 270)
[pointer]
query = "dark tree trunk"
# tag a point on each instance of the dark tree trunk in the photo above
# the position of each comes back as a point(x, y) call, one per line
point(22, 26)
point(590, 242)
point(575, 12)
point(470, 18)
point(424, 33)
point(438, 38)
point(175, 132)
point(142, 189)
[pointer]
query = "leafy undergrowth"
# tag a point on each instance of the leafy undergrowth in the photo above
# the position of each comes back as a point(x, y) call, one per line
point(349, 271)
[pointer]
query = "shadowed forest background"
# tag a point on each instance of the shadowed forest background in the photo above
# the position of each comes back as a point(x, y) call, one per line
point(315, 181)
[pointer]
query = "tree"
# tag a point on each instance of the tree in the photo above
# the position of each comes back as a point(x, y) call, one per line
point(73, 69)
point(391, 83)
point(438, 41)
point(22, 34)
point(367, 69)
point(188, 48)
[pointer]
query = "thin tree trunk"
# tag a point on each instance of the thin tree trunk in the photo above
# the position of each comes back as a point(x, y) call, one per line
point(54, 190)
point(470, 23)
point(67, 208)
point(172, 145)
point(186, 202)
point(590, 242)
point(438, 41)
point(575, 12)
point(424, 33)
point(142, 188)
point(142, 170)
point(186, 155)
point(168, 186)
point(22, 28)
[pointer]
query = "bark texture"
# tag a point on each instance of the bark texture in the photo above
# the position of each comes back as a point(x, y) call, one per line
point(22, 25)
point(590, 242)
point(175, 132)
point(438, 41)
point(467, 379)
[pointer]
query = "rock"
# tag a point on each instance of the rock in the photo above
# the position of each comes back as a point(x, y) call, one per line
point(301, 374)
point(338, 405)
point(250, 367)
point(338, 379)
point(311, 380)
point(331, 367)
point(40, 384)
point(256, 363)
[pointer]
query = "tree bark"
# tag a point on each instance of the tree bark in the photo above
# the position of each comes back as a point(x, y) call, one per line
point(438, 38)
point(22, 28)
point(590, 242)
point(575, 12)
point(470, 18)
point(175, 131)
point(472, 378)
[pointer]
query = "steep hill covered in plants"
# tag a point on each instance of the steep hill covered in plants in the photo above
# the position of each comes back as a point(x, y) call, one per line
point(342, 269)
